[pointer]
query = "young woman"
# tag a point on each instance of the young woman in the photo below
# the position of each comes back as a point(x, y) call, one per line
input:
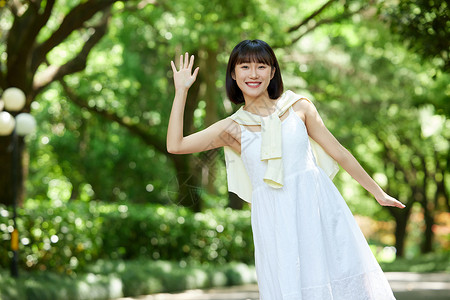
point(307, 243)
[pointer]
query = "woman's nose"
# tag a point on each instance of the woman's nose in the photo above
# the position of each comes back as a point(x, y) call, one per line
point(253, 72)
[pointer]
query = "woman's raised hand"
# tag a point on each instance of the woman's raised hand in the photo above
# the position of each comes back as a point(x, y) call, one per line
point(183, 79)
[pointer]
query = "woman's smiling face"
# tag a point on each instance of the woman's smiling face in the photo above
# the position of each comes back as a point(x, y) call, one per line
point(253, 78)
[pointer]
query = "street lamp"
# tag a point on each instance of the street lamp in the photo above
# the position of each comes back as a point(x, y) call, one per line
point(13, 100)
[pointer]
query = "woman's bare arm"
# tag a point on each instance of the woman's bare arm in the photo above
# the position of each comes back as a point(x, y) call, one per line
point(216, 135)
point(318, 132)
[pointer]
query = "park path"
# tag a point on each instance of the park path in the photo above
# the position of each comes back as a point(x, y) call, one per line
point(406, 286)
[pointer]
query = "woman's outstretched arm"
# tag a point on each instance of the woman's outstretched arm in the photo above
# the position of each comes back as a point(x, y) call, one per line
point(318, 132)
point(216, 135)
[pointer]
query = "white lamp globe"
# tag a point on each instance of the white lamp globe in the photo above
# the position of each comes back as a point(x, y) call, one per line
point(25, 124)
point(2, 104)
point(14, 99)
point(7, 123)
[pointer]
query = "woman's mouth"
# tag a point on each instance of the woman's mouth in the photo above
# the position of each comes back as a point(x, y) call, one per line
point(253, 84)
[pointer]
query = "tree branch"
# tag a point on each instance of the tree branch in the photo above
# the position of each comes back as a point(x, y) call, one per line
point(33, 4)
point(336, 19)
point(76, 64)
point(25, 29)
point(136, 129)
point(317, 24)
point(15, 7)
point(30, 27)
point(18, 45)
point(43, 18)
point(73, 21)
point(310, 17)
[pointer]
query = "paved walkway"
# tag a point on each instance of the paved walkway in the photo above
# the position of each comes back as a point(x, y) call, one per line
point(417, 286)
point(406, 286)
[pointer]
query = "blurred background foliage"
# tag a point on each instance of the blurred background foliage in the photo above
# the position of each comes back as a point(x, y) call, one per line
point(100, 183)
point(69, 237)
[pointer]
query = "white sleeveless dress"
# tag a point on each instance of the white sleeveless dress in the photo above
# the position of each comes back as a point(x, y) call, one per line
point(308, 245)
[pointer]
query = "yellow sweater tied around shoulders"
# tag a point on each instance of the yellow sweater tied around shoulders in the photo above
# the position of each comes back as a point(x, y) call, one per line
point(237, 176)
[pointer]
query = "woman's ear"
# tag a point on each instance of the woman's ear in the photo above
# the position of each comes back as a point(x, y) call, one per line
point(273, 73)
point(233, 75)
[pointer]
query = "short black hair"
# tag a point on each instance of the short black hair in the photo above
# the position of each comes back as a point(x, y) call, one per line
point(253, 51)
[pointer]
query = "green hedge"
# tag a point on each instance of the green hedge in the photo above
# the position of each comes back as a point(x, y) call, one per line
point(431, 262)
point(67, 237)
point(114, 279)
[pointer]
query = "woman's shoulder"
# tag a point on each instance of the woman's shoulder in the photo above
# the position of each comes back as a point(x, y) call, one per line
point(229, 131)
point(230, 126)
point(227, 125)
point(303, 107)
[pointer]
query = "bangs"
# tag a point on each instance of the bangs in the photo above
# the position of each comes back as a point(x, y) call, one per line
point(256, 54)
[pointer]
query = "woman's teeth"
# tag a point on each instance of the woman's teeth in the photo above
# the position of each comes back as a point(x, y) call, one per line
point(253, 84)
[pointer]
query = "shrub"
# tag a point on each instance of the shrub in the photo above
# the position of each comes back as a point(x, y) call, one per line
point(113, 279)
point(431, 262)
point(68, 237)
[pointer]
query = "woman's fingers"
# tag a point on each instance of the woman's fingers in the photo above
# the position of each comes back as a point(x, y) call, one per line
point(195, 72)
point(174, 69)
point(387, 200)
point(399, 204)
point(186, 60)
point(394, 202)
point(191, 63)
point(185, 63)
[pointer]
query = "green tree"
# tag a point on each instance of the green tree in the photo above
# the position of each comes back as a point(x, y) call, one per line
point(424, 27)
point(31, 33)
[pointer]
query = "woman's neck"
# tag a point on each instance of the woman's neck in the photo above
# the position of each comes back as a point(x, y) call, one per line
point(262, 105)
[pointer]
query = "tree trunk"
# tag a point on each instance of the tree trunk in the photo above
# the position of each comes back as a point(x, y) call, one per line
point(185, 190)
point(401, 220)
point(400, 235)
point(6, 171)
point(6, 182)
point(427, 244)
point(210, 64)
point(428, 206)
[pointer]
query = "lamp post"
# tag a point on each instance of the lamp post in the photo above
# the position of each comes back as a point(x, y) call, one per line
point(13, 100)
